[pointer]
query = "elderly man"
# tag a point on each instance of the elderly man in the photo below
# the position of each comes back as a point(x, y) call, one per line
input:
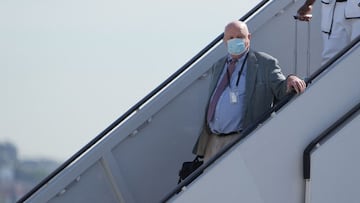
point(244, 85)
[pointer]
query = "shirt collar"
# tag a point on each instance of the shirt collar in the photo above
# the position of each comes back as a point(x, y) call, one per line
point(229, 58)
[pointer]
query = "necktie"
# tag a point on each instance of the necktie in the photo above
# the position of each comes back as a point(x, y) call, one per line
point(219, 90)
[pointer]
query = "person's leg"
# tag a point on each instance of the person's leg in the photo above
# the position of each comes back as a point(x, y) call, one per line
point(216, 143)
point(339, 36)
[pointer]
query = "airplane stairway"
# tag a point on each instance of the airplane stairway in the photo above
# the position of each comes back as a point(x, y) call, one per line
point(266, 165)
point(137, 158)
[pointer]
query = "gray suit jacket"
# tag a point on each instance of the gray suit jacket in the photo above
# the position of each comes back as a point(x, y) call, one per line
point(264, 83)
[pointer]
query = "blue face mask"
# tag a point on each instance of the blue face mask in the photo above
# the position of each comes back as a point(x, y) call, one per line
point(236, 46)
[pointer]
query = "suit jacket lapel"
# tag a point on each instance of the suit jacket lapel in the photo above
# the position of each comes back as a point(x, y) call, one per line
point(252, 68)
point(217, 72)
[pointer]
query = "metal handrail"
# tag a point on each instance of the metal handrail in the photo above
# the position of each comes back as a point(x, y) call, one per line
point(323, 137)
point(318, 141)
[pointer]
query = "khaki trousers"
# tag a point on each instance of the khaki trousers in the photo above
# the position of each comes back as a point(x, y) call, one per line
point(216, 143)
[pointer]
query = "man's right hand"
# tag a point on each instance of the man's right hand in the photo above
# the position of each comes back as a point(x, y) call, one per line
point(304, 13)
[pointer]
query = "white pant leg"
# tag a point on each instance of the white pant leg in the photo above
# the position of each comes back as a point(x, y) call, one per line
point(343, 31)
point(339, 36)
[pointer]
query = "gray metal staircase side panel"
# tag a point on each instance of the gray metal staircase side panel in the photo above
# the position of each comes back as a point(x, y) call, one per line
point(145, 152)
point(335, 167)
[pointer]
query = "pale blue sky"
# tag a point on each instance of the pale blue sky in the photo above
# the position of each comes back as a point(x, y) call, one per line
point(69, 68)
